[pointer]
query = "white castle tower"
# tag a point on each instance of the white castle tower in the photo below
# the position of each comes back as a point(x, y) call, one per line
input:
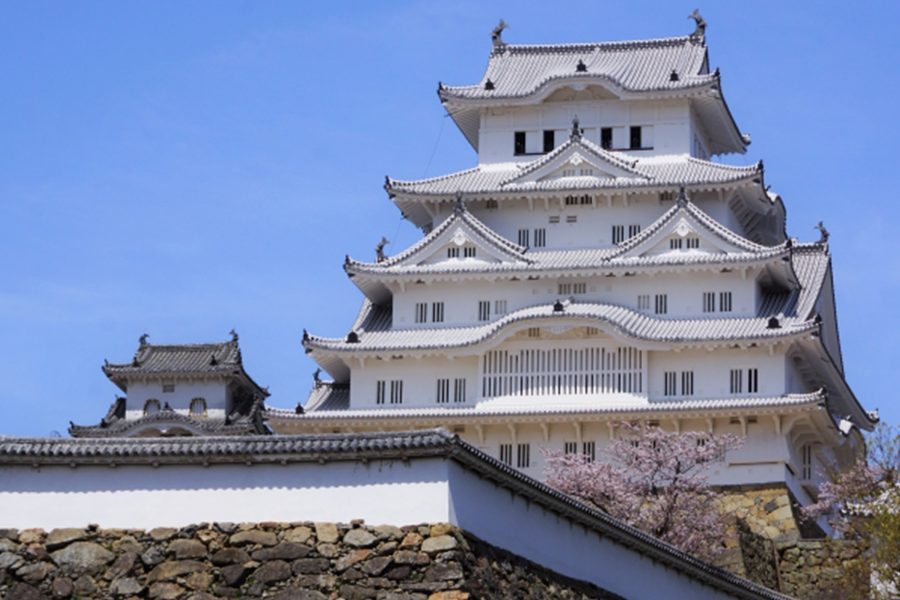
point(596, 266)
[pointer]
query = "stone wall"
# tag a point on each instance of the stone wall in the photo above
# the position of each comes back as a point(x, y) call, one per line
point(287, 561)
point(770, 510)
point(812, 569)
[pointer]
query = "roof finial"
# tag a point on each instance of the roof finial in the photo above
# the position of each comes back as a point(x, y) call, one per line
point(234, 335)
point(682, 200)
point(143, 339)
point(576, 130)
point(496, 35)
point(824, 232)
point(316, 375)
point(581, 67)
point(460, 206)
point(212, 361)
point(379, 250)
point(700, 32)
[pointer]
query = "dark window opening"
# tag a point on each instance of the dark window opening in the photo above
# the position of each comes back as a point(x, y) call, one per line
point(635, 138)
point(549, 140)
point(606, 138)
point(520, 142)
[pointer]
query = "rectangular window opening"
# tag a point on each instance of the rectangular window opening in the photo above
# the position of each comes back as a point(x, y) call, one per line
point(549, 140)
point(519, 144)
point(443, 391)
point(635, 138)
point(421, 312)
point(662, 304)
point(523, 456)
point(571, 448)
point(618, 234)
point(687, 383)
point(379, 392)
point(737, 381)
point(397, 391)
point(709, 302)
point(540, 238)
point(670, 379)
point(484, 310)
point(589, 450)
point(725, 301)
point(644, 302)
point(453, 252)
point(606, 138)
point(500, 307)
point(752, 381)
point(437, 312)
point(469, 252)
point(506, 454)
point(524, 235)
point(459, 390)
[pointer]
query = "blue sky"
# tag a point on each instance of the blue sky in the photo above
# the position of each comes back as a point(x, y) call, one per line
point(185, 168)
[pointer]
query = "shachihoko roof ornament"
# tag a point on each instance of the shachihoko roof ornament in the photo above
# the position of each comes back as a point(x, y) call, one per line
point(497, 36)
point(700, 32)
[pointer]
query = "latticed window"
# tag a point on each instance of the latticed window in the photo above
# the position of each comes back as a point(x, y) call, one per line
point(618, 233)
point(725, 301)
point(380, 388)
point(562, 371)
point(737, 381)
point(468, 251)
point(675, 244)
point(571, 447)
point(437, 312)
point(692, 242)
point(500, 307)
point(670, 388)
point(443, 391)
point(806, 462)
point(421, 312)
point(662, 304)
point(644, 302)
point(589, 450)
point(524, 235)
point(397, 391)
point(572, 288)
point(571, 218)
point(453, 252)
point(540, 238)
point(459, 390)
point(633, 230)
point(752, 381)
point(506, 454)
point(484, 310)
point(151, 406)
point(523, 456)
point(198, 407)
point(709, 302)
point(687, 383)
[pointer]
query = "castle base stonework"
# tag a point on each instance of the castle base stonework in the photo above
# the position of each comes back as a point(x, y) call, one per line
point(287, 561)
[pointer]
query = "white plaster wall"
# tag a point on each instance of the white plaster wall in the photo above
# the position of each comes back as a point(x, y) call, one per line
point(214, 392)
point(419, 381)
point(670, 122)
point(684, 291)
point(390, 492)
point(525, 528)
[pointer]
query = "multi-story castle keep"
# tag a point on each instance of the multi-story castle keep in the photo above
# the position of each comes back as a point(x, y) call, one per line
point(595, 266)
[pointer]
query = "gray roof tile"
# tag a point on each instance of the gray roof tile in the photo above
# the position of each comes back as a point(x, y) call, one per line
point(518, 71)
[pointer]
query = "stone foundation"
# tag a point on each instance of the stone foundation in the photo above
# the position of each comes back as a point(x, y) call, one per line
point(287, 561)
point(769, 510)
point(812, 569)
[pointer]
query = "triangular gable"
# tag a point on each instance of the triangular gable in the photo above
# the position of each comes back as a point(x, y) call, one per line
point(580, 158)
point(684, 222)
point(459, 231)
point(457, 238)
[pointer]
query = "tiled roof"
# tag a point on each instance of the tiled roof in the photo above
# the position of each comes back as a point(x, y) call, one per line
point(177, 359)
point(794, 310)
point(180, 358)
point(325, 396)
point(592, 258)
point(518, 71)
point(628, 322)
point(341, 410)
point(371, 446)
point(656, 172)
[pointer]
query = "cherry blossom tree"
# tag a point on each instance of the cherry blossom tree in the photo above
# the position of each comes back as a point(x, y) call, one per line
point(863, 502)
point(653, 480)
